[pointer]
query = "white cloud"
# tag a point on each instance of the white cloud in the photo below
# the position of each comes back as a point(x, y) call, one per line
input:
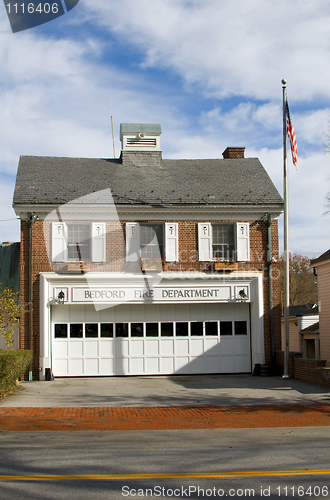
point(9, 225)
point(307, 191)
point(311, 126)
point(57, 101)
point(56, 94)
point(230, 47)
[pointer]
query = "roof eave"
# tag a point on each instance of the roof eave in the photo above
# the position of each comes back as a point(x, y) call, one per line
point(156, 210)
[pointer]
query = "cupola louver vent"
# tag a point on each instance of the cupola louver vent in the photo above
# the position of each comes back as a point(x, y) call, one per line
point(141, 143)
point(140, 137)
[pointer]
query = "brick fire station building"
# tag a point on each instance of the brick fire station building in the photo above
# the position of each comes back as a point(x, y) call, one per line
point(141, 265)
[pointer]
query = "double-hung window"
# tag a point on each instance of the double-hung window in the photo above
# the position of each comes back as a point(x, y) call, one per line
point(78, 241)
point(152, 241)
point(223, 241)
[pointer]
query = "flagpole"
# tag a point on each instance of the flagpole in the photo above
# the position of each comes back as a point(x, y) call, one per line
point(286, 239)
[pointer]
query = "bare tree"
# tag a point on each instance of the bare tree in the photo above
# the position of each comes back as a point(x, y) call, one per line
point(303, 285)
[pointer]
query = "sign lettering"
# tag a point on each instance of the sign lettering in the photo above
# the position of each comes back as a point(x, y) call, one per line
point(158, 294)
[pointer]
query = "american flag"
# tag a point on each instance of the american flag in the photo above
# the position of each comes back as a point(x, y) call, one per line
point(292, 137)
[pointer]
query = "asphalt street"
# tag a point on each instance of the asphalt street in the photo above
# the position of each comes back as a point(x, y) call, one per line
point(109, 459)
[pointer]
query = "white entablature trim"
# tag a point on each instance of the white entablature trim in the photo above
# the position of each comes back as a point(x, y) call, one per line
point(183, 278)
point(149, 212)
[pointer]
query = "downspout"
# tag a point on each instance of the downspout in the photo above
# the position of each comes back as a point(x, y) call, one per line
point(270, 285)
point(31, 220)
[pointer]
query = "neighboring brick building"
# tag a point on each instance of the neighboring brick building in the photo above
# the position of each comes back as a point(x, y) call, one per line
point(123, 274)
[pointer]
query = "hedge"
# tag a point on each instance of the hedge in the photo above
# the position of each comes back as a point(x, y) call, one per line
point(13, 363)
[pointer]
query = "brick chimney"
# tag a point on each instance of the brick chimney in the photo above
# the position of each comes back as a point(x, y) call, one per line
point(233, 153)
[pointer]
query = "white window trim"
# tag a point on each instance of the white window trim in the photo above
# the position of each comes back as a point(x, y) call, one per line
point(60, 243)
point(133, 241)
point(205, 241)
point(171, 241)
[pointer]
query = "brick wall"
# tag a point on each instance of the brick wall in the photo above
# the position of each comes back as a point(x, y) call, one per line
point(313, 371)
point(40, 263)
point(292, 359)
point(141, 158)
point(115, 251)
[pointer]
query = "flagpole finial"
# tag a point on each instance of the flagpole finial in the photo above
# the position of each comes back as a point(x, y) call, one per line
point(283, 81)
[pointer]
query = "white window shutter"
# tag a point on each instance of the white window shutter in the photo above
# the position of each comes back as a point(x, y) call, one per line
point(98, 242)
point(59, 242)
point(242, 242)
point(132, 241)
point(205, 241)
point(171, 242)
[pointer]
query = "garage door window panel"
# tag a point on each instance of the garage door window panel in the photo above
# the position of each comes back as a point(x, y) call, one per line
point(151, 329)
point(196, 329)
point(106, 330)
point(91, 330)
point(226, 328)
point(61, 331)
point(181, 329)
point(166, 329)
point(240, 328)
point(121, 330)
point(211, 328)
point(76, 331)
point(136, 329)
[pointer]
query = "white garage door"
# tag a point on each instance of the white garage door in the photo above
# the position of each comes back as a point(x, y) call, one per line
point(151, 339)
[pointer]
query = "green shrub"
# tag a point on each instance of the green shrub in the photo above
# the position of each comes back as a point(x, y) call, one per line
point(9, 313)
point(13, 363)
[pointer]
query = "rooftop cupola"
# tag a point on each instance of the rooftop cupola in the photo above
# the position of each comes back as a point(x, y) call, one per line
point(140, 136)
point(140, 144)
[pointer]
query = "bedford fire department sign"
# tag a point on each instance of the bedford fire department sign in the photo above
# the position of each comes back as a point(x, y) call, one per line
point(159, 294)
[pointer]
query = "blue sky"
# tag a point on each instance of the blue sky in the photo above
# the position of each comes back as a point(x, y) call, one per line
point(208, 70)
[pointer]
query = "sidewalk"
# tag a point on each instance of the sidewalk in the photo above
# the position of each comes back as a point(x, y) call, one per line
point(151, 403)
point(156, 418)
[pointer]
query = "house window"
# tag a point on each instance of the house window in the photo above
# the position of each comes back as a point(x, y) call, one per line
point(79, 242)
point(223, 244)
point(75, 241)
point(152, 241)
point(223, 241)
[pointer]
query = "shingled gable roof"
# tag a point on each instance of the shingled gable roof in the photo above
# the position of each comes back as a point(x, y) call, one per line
point(53, 180)
point(325, 256)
